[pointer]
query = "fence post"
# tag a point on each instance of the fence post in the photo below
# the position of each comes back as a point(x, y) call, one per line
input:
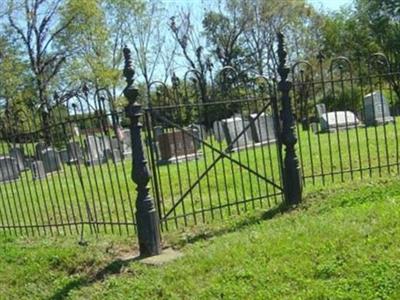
point(291, 172)
point(146, 215)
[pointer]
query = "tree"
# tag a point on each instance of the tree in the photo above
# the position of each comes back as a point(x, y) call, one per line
point(382, 17)
point(193, 52)
point(373, 26)
point(37, 25)
point(16, 92)
point(147, 38)
point(223, 30)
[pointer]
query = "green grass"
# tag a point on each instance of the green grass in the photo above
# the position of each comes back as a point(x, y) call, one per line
point(341, 243)
point(106, 193)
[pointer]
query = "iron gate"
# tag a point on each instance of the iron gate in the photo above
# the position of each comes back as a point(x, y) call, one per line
point(216, 153)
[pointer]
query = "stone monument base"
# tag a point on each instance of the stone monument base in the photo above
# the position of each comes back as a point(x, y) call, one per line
point(180, 158)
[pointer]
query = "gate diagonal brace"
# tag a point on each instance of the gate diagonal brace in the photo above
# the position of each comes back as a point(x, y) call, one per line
point(222, 154)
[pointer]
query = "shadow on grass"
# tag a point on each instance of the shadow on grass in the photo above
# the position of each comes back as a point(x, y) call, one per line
point(270, 214)
point(117, 266)
point(113, 268)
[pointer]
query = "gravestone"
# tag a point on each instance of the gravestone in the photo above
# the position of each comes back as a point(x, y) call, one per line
point(200, 128)
point(94, 151)
point(51, 160)
point(196, 135)
point(63, 156)
point(38, 171)
point(8, 169)
point(314, 127)
point(200, 132)
point(119, 132)
point(117, 145)
point(218, 131)
point(376, 109)
point(233, 128)
point(158, 130)
point(126, 140)
point(18, 155)
point(337, 120)
point(28, 161)
point(176, 146)
point(263, 129)
point(321, 109)
point(105, 143)
point(76, 131)
point(116, 155)
point(75, 154)
point(39, 147)
point(153, 143)
point(106, 147)
point(108, 154)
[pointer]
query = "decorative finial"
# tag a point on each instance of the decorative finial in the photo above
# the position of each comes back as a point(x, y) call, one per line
point(283, 70)
point(281, 48)
point(175, 80)
point(320, 56)
point(129, 72)
point(85, 89)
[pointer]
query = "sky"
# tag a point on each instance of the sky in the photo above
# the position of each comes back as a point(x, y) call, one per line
point(325, 4)
point(329, 4)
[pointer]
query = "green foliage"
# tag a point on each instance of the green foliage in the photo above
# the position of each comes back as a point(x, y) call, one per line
point(17, 96)
point(345, 35)
point(382, 18)
point(346, 98)
point(88, 37)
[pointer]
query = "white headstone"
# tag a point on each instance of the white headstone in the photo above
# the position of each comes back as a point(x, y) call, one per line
point(94, 150)
point(218, 131)
point(105, 143)
point(127, 144)
point(376, 109)
point(119, 133)
point(321, 109)
point(76, 131)
point(336, 120)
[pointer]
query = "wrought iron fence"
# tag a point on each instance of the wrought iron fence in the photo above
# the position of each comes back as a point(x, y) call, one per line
point(214, 144)
point(347, 116)
point(68, 176)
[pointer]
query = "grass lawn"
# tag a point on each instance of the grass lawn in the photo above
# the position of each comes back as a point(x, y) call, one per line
point(341, 243)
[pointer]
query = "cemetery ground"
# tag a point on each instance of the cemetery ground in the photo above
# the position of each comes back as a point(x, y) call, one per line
point(60, 199)
point(340, 243)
